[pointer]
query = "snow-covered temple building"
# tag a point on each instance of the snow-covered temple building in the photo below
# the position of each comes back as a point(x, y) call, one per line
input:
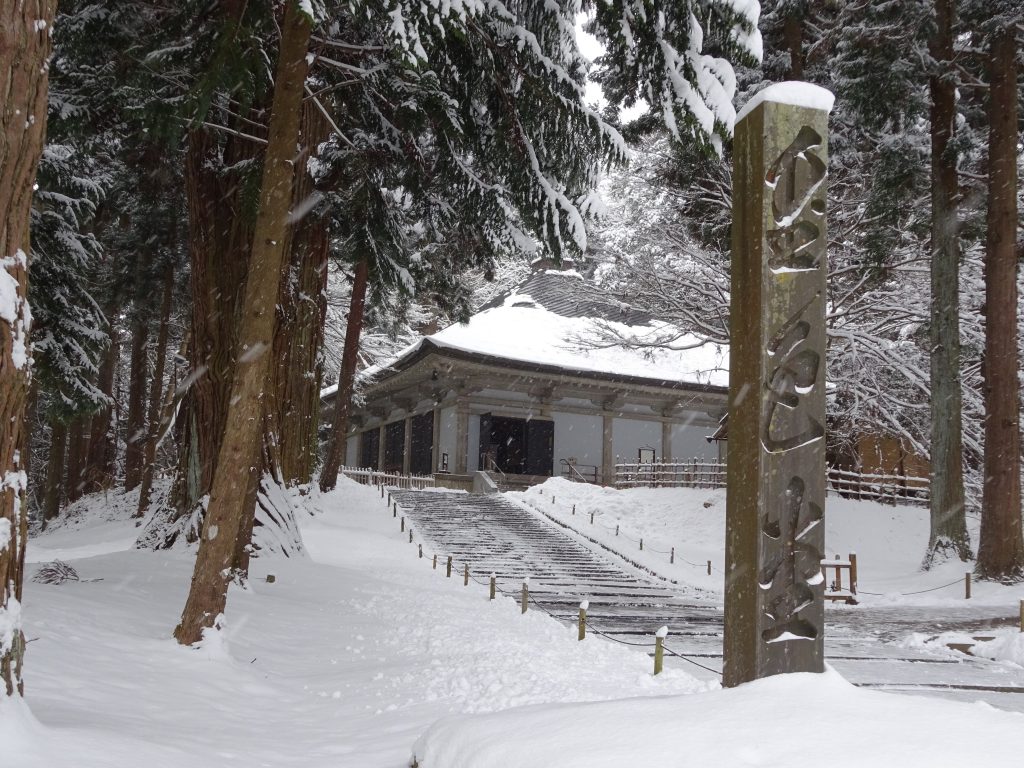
point(532, 387)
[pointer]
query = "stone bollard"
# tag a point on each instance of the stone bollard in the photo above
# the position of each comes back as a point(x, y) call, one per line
point(465, 576)
point(494, 586)
point(582, 624)
point(526, 593)
point(449, 573)
point(967, 586)
point(271, 578)
point(659, 649)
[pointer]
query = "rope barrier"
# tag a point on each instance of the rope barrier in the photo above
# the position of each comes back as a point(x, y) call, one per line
point(908, 594)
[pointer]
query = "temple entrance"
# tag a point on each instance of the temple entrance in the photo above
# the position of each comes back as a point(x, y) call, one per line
point(517, 446)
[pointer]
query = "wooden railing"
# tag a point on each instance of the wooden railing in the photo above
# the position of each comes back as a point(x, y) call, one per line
point(368, 476)
point(698, 473)
point(579, 473)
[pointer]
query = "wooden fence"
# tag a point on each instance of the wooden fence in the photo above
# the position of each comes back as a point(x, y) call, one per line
point(698, 473)
point(368, 476)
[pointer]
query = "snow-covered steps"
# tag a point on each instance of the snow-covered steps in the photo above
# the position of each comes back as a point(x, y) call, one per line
point(494, 535)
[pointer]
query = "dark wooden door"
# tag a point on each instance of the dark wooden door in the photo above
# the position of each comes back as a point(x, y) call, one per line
point(540, 447)
point(422, 444)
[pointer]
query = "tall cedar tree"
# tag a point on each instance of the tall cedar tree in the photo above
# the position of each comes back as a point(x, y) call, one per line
point(1001, 545)
point(24, 50)
point(238, 461)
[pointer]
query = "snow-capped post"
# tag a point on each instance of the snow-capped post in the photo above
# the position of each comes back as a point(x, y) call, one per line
point(774, 590)
point(659, 649)
point(526, 593)
point(583, 619)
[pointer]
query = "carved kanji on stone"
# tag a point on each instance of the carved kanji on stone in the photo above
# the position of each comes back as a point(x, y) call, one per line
point(776, 478)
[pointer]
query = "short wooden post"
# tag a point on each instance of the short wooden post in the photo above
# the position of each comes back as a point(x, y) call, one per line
point(389, 497)
point(421, 551)
point(465, 576)
point(616, 530)
point(1022, 615)
point(526, 593)
point(449, 573)
point(709, 567)
point(403, 523)
point(853, 573)
point(582, 624)
point(839, 577)
point(410, 535)
point(967, 586)
point(552, 498)
point(394, 510)
point(494, 586)
point(641, 543)
point(435, 562)
point(672, 556)
point(574, 509)
point(382, 490)
point(659, 649)
point(591, 518)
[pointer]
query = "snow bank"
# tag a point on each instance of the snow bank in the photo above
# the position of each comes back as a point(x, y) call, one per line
point(825, 720)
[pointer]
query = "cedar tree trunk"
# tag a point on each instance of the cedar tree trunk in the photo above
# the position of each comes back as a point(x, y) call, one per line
point(154, 420)
point(1001, 547)
point(346, 379)
point(134, 451)
point(55, 471)
point(948, 536)
point(239, 455)
point(24, 49)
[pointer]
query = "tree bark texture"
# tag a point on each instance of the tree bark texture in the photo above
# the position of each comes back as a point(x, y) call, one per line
point(302, 311)
point(238, 461)
point(78, 446)
point(346, 379)
point(153, 419)
point(135, 437)
point(948, 535)
point(24, 50)
point(55, 471)
point(1001, 546)
point(102, 455)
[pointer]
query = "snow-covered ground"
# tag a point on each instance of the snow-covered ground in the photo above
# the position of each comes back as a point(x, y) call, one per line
point(354, 653)
point(889, 541)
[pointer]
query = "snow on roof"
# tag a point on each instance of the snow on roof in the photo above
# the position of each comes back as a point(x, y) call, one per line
point(794, 92)
point(519, 328)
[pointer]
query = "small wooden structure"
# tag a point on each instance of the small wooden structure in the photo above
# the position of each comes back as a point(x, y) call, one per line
point(834, 590)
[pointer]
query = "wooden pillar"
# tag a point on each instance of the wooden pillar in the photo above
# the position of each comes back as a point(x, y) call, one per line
point(607, 459)
point(461, 435)
point(380, 447)
point(666, 442)
point(435, 442)
point(407, 446)
point(776, 469)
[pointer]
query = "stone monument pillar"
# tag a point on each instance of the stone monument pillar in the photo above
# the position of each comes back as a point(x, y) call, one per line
point(774, 612)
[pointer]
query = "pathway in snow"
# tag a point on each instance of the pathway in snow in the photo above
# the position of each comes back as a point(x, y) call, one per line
point(494, 535)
